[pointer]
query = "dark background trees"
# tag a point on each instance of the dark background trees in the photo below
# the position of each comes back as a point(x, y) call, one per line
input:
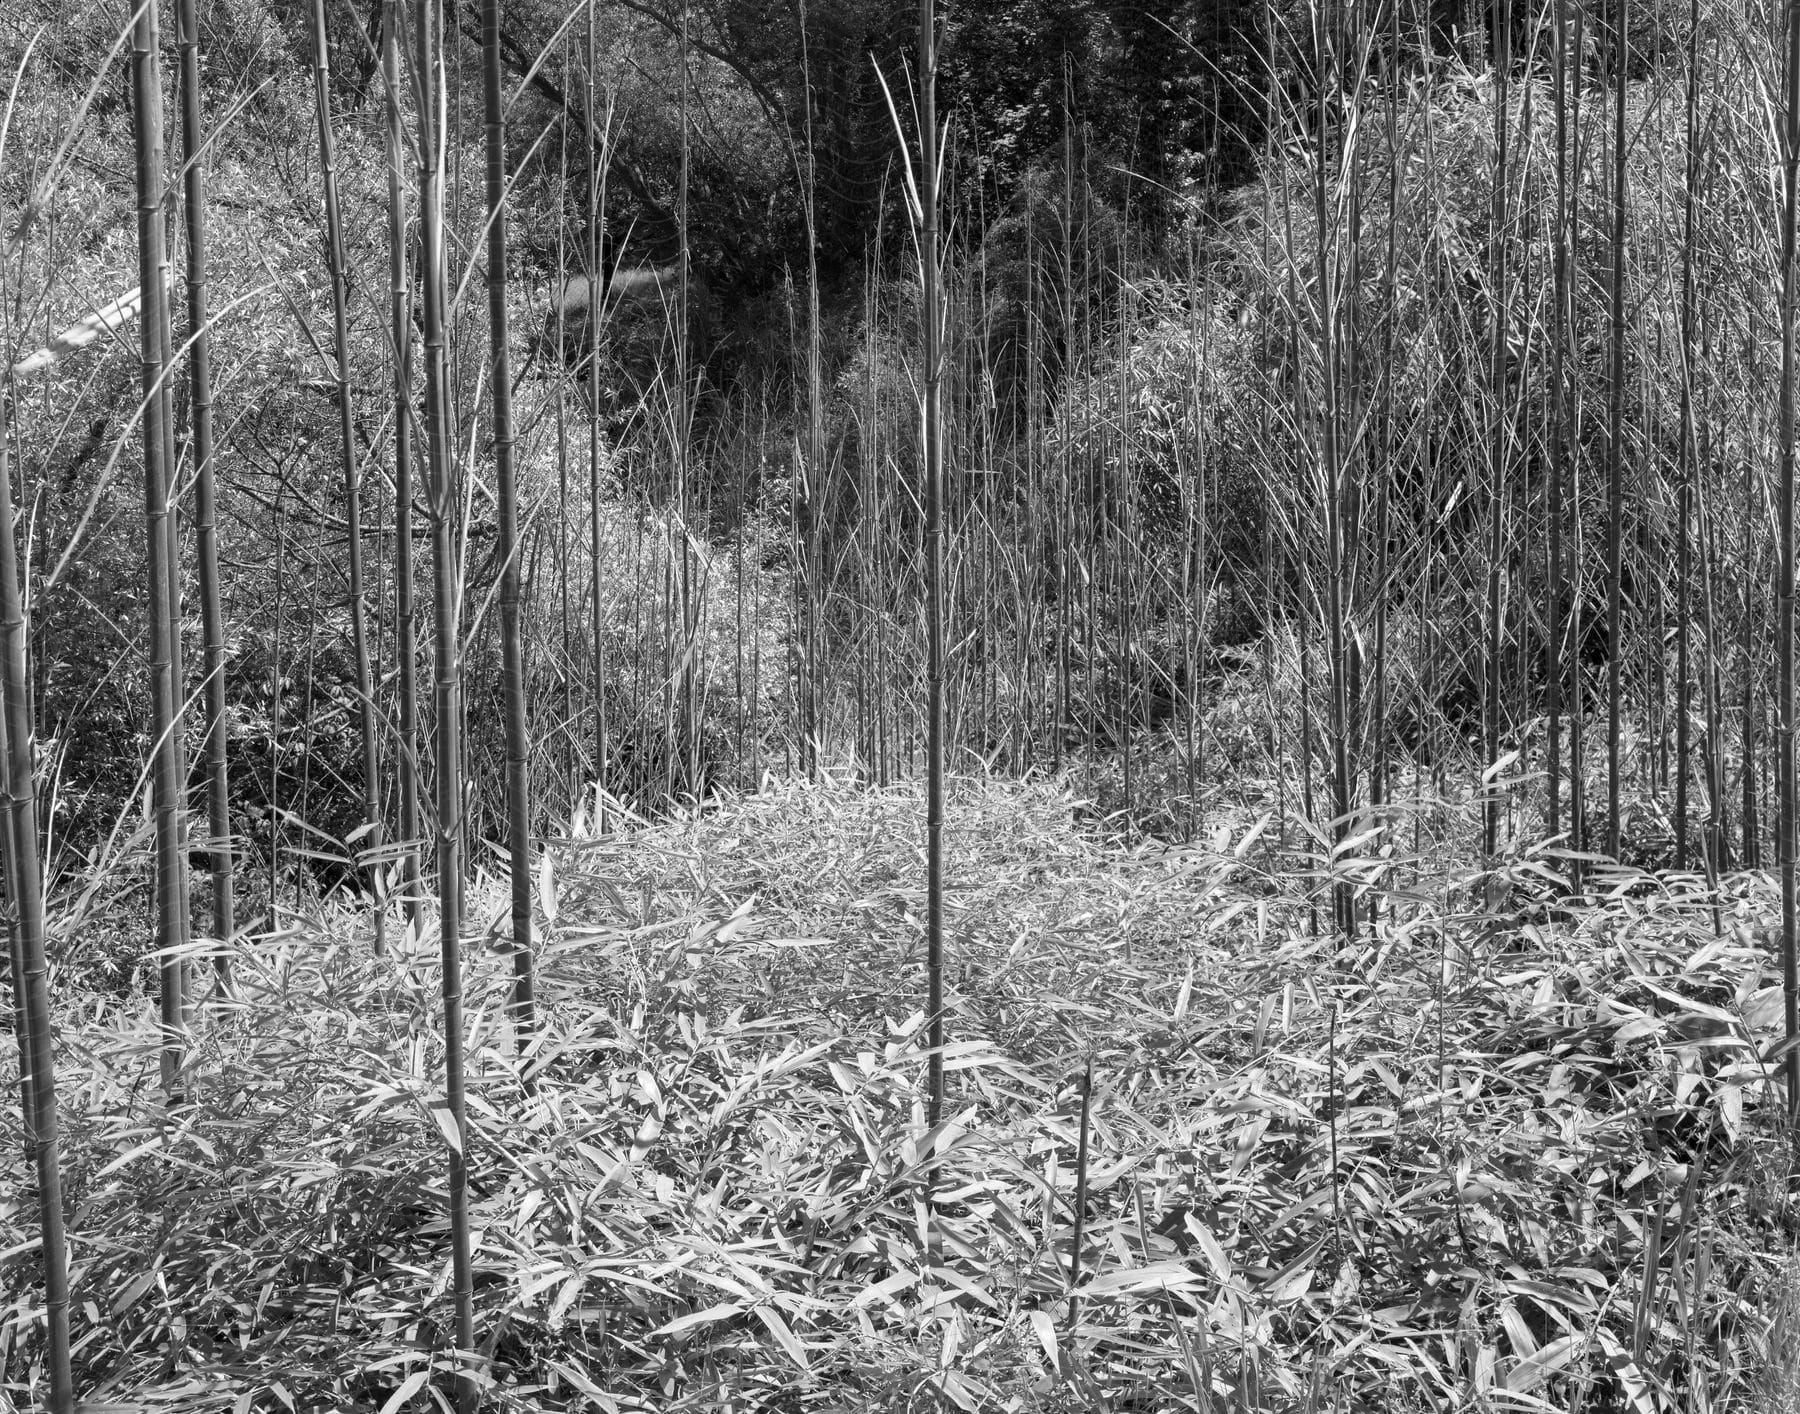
point(787, 105)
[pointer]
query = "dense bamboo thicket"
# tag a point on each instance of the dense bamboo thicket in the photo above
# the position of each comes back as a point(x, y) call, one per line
point(1348, 447)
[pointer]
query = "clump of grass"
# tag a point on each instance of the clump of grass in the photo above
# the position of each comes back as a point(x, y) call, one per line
point(1515, 1152)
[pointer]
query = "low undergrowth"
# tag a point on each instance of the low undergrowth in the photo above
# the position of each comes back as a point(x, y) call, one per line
point(1510, 1151)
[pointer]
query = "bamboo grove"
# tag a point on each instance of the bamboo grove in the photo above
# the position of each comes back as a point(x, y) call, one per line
point(1450, 459)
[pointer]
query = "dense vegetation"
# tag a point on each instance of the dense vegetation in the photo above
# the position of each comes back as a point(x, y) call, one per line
point(1128, 747)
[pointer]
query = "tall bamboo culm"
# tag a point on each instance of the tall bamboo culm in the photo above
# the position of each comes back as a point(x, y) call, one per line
point(447, 762)
point(596, 207)
point(400, 319)
point(512, 646)
point(1615, 436)
point(170, 932)
point(32, 998)
point(200, 424)
point(352, 475)
point(1784, 589)
point(933, 456)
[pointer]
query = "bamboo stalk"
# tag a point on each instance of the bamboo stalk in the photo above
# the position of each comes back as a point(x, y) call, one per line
point(200, 400)
point(931, 314)
point(1498, 442)
point(596, 207)
point(275, 703)
point(352, 473)
point(1615, 441)
point(1560, 454)
point(25, 887)
point(1688, 469)
point(447, 674)
point(406, 649)
point(170, 934)
point(1081, 1192)
point(1784, 589)
point(518, 778)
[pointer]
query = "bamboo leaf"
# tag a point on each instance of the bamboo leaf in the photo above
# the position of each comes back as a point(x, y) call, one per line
point(784, 1336)
point(710, 1316)
point(446, 1123)
point(410, 1386)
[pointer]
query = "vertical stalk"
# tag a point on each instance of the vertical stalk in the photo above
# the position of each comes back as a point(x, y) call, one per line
point(1615, 439)
point(596, 313)
point(166, 774)
point(1193, 559)
point(1784, 588)
point(1750, 821)
point(1575, 555)
point(1118, 542)
point(566, 656)
point(406, 648)
point(1065, 472)
point(512, 646)
point(1330, 45)
point(1384, 458)
point(812, 693)
point(1684, 513)
point(352, 472)
point(1556, 580)
point(932, 316)
point(683, 436)
point(1497, 411)
point(274, 790)
point(24, 881)
point(446, 669)
point(212, 614)
point(16, 956)
point(1081, 1185)
point(308, 755)
point(1717, 860)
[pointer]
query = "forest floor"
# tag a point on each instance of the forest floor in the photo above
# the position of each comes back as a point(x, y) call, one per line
point(1509, 1150)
